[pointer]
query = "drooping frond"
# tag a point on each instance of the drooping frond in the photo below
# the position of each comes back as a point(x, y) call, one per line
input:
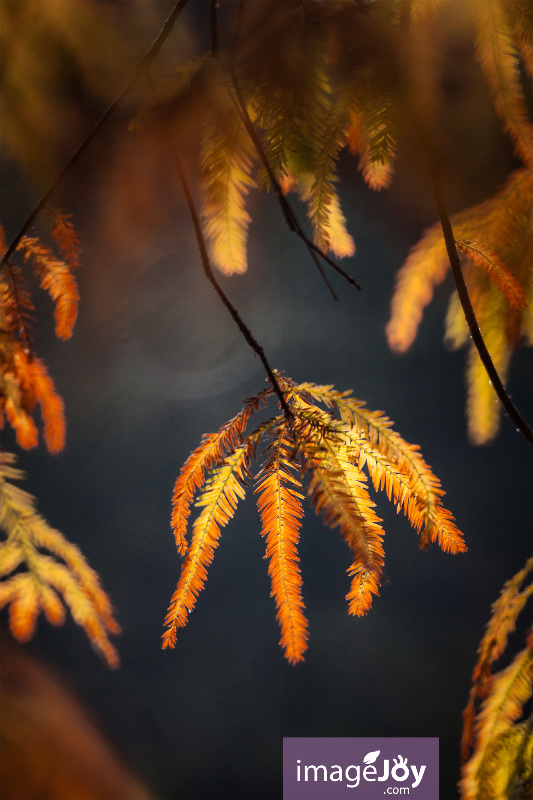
point(57, 279)
point(521, 21)
point(294, 93)
point(394, 465)
point(337, 489)
point(16, 307)
point(65, 236)
point(218, 501)
point(496, 238)
point(280, 506)
point(26, 382)
point(280, 105)
point(226, 159)
point(327, 450)
point(318, 188)
point(58, 576)
point(482, 408)
point(372, 136)
point(340, 241)
point(425, 268)
point(487, 774)
point(496, 270)
point(496, 224)
point(505, 611)
point(209, 454)
point(499, 58)
point(37, 384)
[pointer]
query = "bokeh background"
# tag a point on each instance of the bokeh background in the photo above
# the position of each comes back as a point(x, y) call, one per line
point(155, 362)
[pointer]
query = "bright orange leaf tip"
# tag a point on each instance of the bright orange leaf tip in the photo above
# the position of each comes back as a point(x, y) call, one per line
point(323, 451)
point(26, 383)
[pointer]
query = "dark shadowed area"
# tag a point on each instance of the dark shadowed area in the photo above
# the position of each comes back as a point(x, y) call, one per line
point(156, 361)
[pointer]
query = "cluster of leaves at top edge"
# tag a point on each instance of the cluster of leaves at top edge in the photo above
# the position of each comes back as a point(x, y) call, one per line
point(323, 452)
point(318, 79)
point(39, 569)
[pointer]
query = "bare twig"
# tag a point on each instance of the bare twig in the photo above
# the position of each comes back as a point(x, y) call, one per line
point(145, 61)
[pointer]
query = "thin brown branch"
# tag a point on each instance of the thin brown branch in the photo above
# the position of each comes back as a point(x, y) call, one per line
point(206, 263)
point(145, 61)
point(288, 213)
point(464, 299)
point(208, 270)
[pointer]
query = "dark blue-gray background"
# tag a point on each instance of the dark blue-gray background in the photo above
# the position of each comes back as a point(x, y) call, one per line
point(154, 363)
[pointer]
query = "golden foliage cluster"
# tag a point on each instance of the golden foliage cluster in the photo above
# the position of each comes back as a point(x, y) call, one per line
point(293, 72)
point(495, 240)
point(24, 379)
point(33, 580)
point(501, 763)
point(306, 108)
point(41, 571)
point(322, 452)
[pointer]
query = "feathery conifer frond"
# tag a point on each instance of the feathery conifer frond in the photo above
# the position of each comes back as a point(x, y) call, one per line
point(505, 612)
point(38, 387)
point(496, 238)
point(25, 382)
point(496, 270)
point(50, 580)
point(209, 454)
point(521, 21)
point(486, 774)
point(218, 500)
point(318, 188)
point(499, 59)
point(280, 506)
point(16, 307)
point(394, 465)
point(226, 159)
point(327, 452)
point(371, 135)
point(65, 236)
point(57, 279)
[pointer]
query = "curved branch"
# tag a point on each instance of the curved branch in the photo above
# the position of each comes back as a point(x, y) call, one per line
point(145, 61)
point(206, 263)
point(464, 299)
